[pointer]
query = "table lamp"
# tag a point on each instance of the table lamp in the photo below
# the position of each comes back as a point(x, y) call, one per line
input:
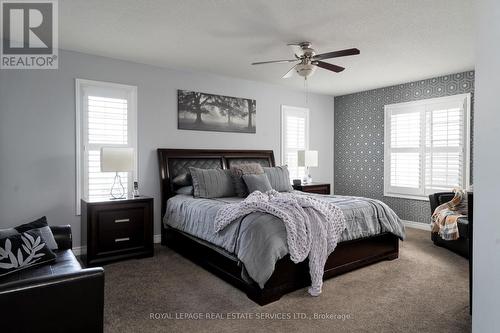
point(307, 158)
point(117, 160)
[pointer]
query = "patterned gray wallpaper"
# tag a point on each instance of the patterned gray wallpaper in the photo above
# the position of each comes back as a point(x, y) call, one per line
point(359, 138)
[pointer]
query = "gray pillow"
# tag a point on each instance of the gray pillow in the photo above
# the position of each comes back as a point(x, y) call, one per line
point(4, 233)
point(238, 170)
point(185, 190)
point(212, 183)
point(183, 179)
point(257, 183)
point(279, 177)
point(39, 225)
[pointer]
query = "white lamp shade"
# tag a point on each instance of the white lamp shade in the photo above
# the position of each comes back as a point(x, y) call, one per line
point(117, 159)
point(307, 158)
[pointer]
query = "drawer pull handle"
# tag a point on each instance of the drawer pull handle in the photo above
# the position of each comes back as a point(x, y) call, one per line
point(122, 220)
point(122, 239)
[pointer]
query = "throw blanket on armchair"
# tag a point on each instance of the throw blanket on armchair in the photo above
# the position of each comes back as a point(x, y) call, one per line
point(445, 216)
point(313, 226)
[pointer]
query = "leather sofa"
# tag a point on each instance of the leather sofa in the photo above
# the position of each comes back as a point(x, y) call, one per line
point(462, 245)
point(56, 297)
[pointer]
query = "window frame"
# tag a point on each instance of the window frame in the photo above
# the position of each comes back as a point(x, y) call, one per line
point(421, 193)
point(284, 110)
point(81, 132)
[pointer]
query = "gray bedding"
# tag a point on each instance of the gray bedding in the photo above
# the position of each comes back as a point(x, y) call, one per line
point(258, 240)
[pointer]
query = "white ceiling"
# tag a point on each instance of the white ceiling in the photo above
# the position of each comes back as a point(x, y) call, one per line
point(400, 40)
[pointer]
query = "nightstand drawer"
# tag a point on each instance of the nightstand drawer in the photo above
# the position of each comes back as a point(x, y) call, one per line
point(120, 240)
point(126, 219)
point(319, 189)
point(119, 229)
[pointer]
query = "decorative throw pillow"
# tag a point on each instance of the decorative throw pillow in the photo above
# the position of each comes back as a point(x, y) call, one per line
point(238, 170)
point(23, 250)
point(41, 225)
point(183, 179)
point(211, 183)
point(188, 190)
point(257, 183)
point(279, 177)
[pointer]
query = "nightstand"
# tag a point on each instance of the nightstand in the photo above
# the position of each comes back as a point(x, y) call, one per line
point(117, 229)
point(319, 188)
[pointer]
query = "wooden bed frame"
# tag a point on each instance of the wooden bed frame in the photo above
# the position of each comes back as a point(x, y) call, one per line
point(287, 275)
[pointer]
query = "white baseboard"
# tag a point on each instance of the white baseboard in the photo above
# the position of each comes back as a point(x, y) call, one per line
point(417, 225)
point(79, 250)
point(157, 238)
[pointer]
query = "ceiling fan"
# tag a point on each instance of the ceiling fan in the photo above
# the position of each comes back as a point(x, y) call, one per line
point(307, 60)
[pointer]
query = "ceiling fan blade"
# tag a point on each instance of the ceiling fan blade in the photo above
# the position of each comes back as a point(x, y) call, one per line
point(274, 62)
point(289, 73)
point(330, 67)
point(335, 54)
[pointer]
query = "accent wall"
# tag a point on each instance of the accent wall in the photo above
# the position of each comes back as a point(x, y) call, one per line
point(359, 138)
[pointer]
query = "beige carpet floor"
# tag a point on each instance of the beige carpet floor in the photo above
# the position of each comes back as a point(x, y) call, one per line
point(425, 290)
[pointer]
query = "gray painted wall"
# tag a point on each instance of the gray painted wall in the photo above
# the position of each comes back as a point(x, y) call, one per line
point(359, 136)
point(37, 130)
point(486, 243)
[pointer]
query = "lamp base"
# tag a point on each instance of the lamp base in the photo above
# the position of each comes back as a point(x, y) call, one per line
point(307, 179)
point(117, 190)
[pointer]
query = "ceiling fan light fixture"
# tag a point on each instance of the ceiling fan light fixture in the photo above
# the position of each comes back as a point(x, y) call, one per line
point(307, 60)
point(305, 70)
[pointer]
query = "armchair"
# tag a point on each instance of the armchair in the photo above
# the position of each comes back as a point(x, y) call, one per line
point(57, 297)
point(460, 246)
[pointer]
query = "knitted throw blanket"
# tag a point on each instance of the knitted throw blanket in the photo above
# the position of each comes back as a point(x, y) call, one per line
point(445, 217)
point(313, 226)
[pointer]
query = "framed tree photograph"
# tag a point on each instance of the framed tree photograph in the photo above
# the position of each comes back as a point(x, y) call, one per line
point(207, 112)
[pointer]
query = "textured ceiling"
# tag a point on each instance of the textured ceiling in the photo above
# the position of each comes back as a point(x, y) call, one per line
point(400, 40)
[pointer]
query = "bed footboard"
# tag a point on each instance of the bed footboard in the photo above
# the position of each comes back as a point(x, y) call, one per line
point(287, 276)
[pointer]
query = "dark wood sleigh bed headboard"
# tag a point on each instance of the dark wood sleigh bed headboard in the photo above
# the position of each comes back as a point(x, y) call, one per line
point(174, 162)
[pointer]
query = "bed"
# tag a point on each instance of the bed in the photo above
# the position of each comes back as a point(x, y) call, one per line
point(352, 253)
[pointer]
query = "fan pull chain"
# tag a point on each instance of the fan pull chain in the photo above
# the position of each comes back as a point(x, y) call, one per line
point(306, 87)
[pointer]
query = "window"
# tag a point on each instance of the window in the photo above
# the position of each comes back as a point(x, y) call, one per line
point(294, 137)
point(106, 116)
point(426, 146)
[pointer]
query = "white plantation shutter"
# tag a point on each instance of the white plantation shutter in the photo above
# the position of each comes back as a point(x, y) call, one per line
point(107, 120)
point(405, 131)
point(445, 146)
point(426, 146)
point(106, 125)
point(294, 137)
point(106, 113)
